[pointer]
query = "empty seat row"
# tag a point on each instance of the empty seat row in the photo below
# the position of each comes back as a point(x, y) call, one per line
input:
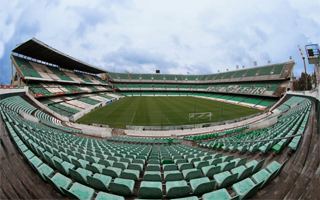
point(87, 168)
point(291, 124)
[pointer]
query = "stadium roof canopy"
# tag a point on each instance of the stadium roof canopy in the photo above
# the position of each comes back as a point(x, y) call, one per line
point(36, 49)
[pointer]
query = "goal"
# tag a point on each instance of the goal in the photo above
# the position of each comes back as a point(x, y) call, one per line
point(200, 116)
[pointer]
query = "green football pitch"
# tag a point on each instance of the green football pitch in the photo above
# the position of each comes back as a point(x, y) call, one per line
point(164, 111)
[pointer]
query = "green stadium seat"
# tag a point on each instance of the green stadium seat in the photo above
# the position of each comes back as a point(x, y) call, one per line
point(60, 181)
point(180, 161)
point(175, 189)
point(66, 157)
point(167, 161)
point(80, 191)
point(28, 154)
point(152, 176)
point(153, 167)
point(202, 185)
point(35, 162)
point(99, 181)
point(170, 167)
point(193, 160)
point(150, 190)
point(79, 162)
point(121, 165)
point(64, 167)
point(215, 161)
point(238, 170)
point(45, 171)
point(245, 188)
point(239, 161)
point(256, 165)
point(225, 166)
point(92, 159)
point(135, 166)
point(187, 198)
point(224, 179)
point(210, 170)
point(49, 158)
point(192, 174)
point(274, 168)
point(153, 161)
point(130, 174)
point(139, 161)
point(242, 171)
point(22, 148)
point(200, 164)
point(80, 175)
point(261, 177)
point(106, 163)
point(226, 158)
point(221, 194)
point(122, 186)
point(112, 171)
point(95, 168)
point(126, 159)
point(107, 196)
point(295, 143)
point(174, 175)
point(183, 166)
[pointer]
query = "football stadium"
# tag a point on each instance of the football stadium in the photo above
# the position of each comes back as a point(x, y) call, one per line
point(134, 101)
point(76, 131)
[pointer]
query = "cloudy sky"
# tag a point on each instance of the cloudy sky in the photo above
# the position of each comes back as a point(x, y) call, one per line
point(175, 36)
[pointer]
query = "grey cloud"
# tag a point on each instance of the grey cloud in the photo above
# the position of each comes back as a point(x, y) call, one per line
point(134, 59)
point(139, 36)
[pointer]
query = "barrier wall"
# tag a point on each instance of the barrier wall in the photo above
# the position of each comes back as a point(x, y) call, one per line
point(178, 133)
point(29, 117)
point(102, 132)
point(265, 123)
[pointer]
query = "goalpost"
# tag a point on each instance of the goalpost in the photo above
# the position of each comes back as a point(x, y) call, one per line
point(200, 116)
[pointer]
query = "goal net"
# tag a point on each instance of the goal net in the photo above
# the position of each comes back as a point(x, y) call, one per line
point(198, 117)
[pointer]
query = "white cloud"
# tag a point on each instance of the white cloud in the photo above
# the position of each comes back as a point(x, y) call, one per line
point(7, 23)
point(176, 36)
